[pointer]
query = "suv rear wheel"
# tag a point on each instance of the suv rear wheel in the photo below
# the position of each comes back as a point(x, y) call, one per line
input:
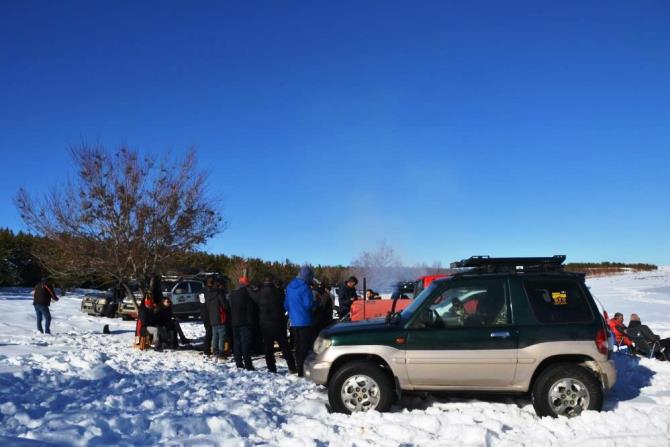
point(566, 389)
point(360, 386)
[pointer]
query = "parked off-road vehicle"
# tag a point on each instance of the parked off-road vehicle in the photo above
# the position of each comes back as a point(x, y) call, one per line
point(127, 309)
point(184, 297)
point(101, 304)
point(508, 325)
point(88, 302)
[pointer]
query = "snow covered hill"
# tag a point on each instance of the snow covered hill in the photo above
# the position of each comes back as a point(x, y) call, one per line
point(80, 387)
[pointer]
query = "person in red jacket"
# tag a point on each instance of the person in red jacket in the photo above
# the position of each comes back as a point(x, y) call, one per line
point(43, 293)
point(619, 330)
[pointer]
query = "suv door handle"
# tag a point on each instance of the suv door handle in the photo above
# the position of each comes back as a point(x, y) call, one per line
point(500, 334)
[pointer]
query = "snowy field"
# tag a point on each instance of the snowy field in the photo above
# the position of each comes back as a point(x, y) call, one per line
point(80, 387)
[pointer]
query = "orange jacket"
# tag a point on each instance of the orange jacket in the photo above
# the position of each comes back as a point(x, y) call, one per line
point(618, 329)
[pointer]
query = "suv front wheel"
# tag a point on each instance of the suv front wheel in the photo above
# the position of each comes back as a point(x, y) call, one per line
point(566, 389)
point(360, 386)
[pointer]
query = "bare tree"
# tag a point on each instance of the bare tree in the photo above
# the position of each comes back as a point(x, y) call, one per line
point(122, 216)
point(381, 267)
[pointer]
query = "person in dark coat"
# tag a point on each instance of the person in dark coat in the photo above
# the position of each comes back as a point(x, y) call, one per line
point(347, 295)
point(323, 314)
point(218, 311)
point(300, 305)
point(272, 322)
point(43, 293)
point(644, 339)
point(165, 319)
point(242, 320)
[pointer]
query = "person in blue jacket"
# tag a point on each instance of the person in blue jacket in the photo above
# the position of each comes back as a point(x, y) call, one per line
point(300, 304)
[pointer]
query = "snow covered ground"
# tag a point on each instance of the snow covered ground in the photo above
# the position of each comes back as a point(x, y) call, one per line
point(80, 387)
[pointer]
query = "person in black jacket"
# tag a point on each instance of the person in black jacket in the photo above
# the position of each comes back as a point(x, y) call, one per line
point(644, 339)
point(165, 319)
point(323, 314)
point(242, 320)
point(272, 323)
point(43, 293)
point(204, 314)
point(347, 295)
point(218, 311)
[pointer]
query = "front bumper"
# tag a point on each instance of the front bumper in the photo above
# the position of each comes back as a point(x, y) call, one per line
point(316, 369)
point(87, 308)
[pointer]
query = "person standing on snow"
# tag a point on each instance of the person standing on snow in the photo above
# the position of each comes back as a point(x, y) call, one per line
point(43, 293)
point(270, 302)
point(217, 309)
point(300, 305)
point(242, 320)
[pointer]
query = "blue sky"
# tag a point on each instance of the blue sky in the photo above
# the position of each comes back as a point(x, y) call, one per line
point(444, 128)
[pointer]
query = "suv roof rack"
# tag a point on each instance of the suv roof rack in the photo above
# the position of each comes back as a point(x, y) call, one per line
point(494, 265)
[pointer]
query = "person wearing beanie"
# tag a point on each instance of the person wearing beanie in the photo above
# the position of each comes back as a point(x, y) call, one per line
point(242, 322)
point(300, 304)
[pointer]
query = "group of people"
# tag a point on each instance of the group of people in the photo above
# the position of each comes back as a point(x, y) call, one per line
point(241, 320)
point(639, 337)
point(252, 318)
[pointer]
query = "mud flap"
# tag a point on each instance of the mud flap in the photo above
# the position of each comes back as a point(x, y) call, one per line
point(398, 390)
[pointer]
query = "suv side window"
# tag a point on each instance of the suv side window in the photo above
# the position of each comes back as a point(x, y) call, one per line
point(196, 286)
point(477, 302)
point(557, 301)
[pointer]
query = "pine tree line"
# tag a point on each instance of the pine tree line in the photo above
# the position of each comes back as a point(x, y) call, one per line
point(18, 267)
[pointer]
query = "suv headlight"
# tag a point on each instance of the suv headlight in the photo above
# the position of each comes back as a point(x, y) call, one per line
point(321, 344)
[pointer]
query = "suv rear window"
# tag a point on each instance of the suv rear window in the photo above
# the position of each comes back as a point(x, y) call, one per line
point(557, 301)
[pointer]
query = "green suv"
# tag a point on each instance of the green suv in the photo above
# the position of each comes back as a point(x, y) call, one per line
point(508, 325)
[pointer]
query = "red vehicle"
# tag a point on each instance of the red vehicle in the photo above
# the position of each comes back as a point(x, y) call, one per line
point(403, 294)
point(425, 281)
